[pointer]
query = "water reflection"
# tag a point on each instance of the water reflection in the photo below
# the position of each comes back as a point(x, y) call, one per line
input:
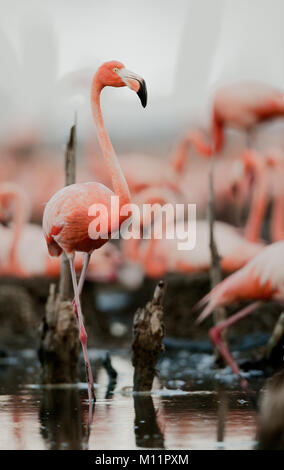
point(112, 375)
point(147, 430)
point(271, 420)
point(222, 412)
point(62, 420)
point(57, 418)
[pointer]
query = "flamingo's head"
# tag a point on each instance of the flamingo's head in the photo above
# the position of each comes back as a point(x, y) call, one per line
point(114, 74)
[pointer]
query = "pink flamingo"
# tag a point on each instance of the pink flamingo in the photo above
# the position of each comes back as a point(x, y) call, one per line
point(243, 105)
point(11, 195)
point(255, 164)
point(68, 215)
point(144, 171)
point(267, 171)
point(159, 256)
point(261, 279)
point(276, 161)
point(15, 259)
point(27, 162)
point(162, 256)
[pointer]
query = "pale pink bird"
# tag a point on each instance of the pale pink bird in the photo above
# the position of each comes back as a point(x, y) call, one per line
point(240, 105)
point(163, 255)
point(158, 256)
point(243, 105)
point(12, 206)
point(267, 170)
point(275, 158)
point(37, 169)
point(261, 279)
point(144, 171)
point(68, 216)
point(255, 164)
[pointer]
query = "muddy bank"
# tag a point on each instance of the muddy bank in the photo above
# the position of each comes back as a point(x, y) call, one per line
point(109, 310)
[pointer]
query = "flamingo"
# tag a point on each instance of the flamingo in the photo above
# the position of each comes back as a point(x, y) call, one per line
point(68, 216)
point(243, 105)
point(16, 239)
point(144, 171)
point(267, 170)
point(34, 167)
point(276, 160)
point(159, 256)
point(261, 279)
point(10, 195)
point(162, 256)
point(254, 163)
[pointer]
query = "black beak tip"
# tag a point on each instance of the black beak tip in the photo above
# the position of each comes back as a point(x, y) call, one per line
point(142, 93)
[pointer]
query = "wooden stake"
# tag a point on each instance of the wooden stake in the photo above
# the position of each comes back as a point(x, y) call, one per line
point(148, 336)
point(59, 345)
point(65, 283)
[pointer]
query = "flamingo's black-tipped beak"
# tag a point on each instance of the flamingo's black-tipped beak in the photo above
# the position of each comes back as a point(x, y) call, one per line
point(135, 83)
point(142, 93)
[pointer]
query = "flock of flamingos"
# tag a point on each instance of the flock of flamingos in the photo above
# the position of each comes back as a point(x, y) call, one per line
point(255, 269)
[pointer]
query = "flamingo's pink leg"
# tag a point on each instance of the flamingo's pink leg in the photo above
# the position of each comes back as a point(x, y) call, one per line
point(82, 333)
point(216, 337)
point(87, 257)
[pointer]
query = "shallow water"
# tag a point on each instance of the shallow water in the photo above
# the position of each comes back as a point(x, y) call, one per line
point(180, 415)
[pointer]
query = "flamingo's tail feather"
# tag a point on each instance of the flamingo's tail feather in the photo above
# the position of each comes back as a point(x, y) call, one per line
point(201, 303)
point(206, 312)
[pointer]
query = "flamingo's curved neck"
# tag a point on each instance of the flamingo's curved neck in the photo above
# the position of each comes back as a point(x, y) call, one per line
point(257, 209)
point(119, 183)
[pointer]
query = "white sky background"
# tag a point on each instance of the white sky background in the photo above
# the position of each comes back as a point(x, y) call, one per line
point(145, 35)
point(182, 48)
point(83, 34)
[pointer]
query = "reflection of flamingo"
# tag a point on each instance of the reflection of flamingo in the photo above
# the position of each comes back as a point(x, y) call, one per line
point(261, 279)
point(68, 216)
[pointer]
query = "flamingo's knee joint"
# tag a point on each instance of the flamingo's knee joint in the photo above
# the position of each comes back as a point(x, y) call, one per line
point(215, 334)
point(83, 336)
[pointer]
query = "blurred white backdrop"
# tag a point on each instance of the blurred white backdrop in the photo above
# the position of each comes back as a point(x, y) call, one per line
point(183, 48)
